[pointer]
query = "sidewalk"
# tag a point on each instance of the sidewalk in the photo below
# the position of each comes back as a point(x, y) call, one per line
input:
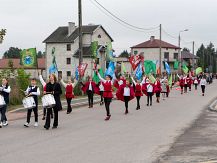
point(20, 113)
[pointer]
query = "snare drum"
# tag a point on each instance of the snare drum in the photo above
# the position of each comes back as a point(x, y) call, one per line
point(2, 101)
point(48, 101)
point(29, 103)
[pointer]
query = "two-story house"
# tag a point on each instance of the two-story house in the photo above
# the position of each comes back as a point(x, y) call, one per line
point(151, 51)
point(65, 40)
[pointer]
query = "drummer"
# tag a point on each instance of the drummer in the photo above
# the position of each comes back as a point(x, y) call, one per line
point(33, 91)
point(5, 90)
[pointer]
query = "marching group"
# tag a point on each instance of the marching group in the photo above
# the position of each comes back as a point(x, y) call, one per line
point(127, 88)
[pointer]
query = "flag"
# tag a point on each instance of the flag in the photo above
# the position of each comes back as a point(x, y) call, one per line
point(185, 69)
point(82, 68)
point(135, 60)
point(95, 76)
point(176, 65)
point(167, 66)
point(52, 69)
point(199, 70)
point(28, 58)
point(76, 73)
point(150, 67)
point(111, 69)
point(94, 49)
point(158, 67)
point(109, 52)
point(152, 79)
point(139, 72)
point(170, 81)
point(123, 68)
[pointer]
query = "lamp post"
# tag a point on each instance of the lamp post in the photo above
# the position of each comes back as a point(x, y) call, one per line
point(180, 56)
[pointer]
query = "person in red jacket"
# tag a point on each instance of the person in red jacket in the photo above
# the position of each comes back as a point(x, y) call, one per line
point(118, 83)
point(138, 90)
point(181, 82)
point(189, 82)
point(90, 88)
point(148, 90)
point(69, 93)
point(125, 93)
point(157, 89)
point(107, 94)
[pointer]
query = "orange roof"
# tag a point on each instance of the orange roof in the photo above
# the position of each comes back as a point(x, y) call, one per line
point(16, 63)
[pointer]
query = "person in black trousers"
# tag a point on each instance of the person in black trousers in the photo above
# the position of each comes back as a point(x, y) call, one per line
point(54, 88)
point(5, 90)
point(34, 92)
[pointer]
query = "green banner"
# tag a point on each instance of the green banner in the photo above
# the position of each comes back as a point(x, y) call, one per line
point(94, 48)
point(150, 67)
point(199, 70)
point(176, 65)
point(185, 69)
point(95, 76)
point(28, 58)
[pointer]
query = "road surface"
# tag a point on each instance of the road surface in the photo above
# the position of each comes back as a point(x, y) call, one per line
point(84, 136)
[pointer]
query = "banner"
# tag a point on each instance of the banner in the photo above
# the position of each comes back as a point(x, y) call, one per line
point(28, 58)
point(152, 79)
point(94, 49)
point(123, 68)
point(82, 68)
point(167, 66)
point(111, 69)
point(109, 52)
point(95, 76)
point(150, 67)
point(185, 69)
point(135, 60)
point(199, 70)
point(176, 65)
point(53, 69)
point(76, 73)
point(139, 72)
point(170, 81)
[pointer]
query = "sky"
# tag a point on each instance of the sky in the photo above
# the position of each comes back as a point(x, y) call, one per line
point(29, 22)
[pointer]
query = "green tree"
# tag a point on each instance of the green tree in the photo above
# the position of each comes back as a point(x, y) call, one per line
point(185, 50)
point(40, 54)
point(124, 54)
point(12, 52)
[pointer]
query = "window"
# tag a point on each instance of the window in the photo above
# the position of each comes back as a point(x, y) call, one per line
point(68, 47)
point(68, 61)
point(68, 73)
point(60, 74)
point(166, 56)
point(99, 36)
point(135, 52)
point(176, 56)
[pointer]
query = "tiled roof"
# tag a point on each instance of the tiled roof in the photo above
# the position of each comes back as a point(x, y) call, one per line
point(188, 55)
point(60, 35)
point(155, 43)
point(16, 63)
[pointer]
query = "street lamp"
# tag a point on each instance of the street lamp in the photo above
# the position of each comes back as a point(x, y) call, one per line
point(180, 59)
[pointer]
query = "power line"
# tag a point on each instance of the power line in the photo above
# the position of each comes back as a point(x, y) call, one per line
point(174, 37)
point(122, 21)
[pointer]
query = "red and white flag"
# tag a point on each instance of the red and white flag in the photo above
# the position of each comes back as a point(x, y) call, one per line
point(135, 60)
point(82, 68)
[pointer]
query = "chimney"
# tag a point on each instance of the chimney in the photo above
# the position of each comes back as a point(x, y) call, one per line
point(152, 38)
point(71, 28)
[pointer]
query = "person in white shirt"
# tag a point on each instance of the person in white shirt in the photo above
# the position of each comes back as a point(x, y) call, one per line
point(5, 90)
point(203, 85)
point(127, 96)
point(33, 91)
point(150, 91)
point(101, 90)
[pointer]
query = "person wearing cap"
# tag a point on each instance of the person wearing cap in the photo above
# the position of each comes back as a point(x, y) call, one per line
point(138, 90)
point(148, 90)
point(69, 93)
point(32, 91)
point(90, 88)
point(107, 94)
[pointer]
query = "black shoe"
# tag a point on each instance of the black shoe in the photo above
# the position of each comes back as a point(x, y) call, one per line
point(43, 118)
point(68, 112)
point(147, 104)
point(54, 127)
point(150, 104)
point(46, 127)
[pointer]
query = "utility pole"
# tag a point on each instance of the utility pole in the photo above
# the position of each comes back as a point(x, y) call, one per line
point(80, 32)
point(194, 60)
point(160, 55)
point(180, 55)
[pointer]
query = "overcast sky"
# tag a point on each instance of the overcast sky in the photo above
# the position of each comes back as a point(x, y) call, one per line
point(29, 22)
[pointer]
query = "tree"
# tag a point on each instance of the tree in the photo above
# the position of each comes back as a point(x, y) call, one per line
point(40, 54)
point(13, 52)
point(124, 54)
point(185, 50)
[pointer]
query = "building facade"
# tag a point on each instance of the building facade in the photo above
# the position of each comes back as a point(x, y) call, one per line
point(65, 40)
point(151, 51)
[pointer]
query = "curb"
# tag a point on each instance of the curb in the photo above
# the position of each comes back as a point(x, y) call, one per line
point(212, 106)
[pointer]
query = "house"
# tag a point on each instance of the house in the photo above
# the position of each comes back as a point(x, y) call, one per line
point(65, 40)
point(151, 51)
point(126, 63)
point(189, 59)
point(4, 65)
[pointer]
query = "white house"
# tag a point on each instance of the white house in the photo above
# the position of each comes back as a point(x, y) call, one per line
point(65, 40)
point(151, 51)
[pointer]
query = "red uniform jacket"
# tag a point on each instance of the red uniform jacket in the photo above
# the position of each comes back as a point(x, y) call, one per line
point(107, 89)
point(189, 81)
point(144, 88)
point(120, 92)
point(116, 85)
point(86, 87)
point(138, 90)
point(157, 87)
point(69, 91)
point(181, 82)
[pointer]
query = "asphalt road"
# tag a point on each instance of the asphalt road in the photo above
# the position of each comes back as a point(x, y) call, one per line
point(84, 136)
